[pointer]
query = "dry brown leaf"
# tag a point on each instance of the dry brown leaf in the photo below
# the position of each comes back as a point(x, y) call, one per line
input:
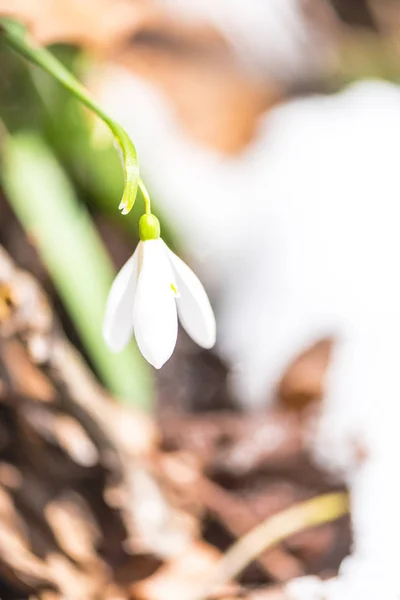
point(17, 561)
point(303, 381)
point(97, 24)
point(72, 581)
point(64, 444)
point(70, 513)
point(25, 378)
point(214, 94)
point(218, 103)
point(179, 577)
point(266, 595)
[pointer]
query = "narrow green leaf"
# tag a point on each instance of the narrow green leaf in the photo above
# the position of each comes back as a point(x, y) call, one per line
point(45, 202)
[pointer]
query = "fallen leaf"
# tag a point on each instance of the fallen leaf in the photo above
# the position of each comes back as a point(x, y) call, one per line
point(97, 24)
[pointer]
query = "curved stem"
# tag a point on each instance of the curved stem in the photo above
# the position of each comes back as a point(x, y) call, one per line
point(310, 513)
point(15, 36)
point(146, 197)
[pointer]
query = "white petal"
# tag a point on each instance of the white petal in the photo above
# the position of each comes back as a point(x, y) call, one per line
point(118, 321)
point(154, 314)
point(194, 308)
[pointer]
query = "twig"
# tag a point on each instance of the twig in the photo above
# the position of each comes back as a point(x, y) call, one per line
point(239, 520)
point(310, 513)
point(232, 512)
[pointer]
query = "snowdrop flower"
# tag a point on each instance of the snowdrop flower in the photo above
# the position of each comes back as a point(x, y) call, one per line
point(150, 291)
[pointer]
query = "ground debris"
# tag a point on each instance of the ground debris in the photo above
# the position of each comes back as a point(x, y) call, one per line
point(75, 467)
point(97, 502)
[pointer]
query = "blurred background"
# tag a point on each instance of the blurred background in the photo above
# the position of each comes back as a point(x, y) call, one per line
point(117, 481)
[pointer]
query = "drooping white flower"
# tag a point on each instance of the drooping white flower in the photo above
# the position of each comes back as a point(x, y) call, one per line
point(150, 291)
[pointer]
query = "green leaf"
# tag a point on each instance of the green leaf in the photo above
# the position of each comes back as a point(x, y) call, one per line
point(46, 204)
point(15, 36)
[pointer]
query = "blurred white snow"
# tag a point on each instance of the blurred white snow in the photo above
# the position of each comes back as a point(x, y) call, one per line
point(298, 239)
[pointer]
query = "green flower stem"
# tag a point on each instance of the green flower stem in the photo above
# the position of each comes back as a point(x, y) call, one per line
point(15, 36)
point(146, 197)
